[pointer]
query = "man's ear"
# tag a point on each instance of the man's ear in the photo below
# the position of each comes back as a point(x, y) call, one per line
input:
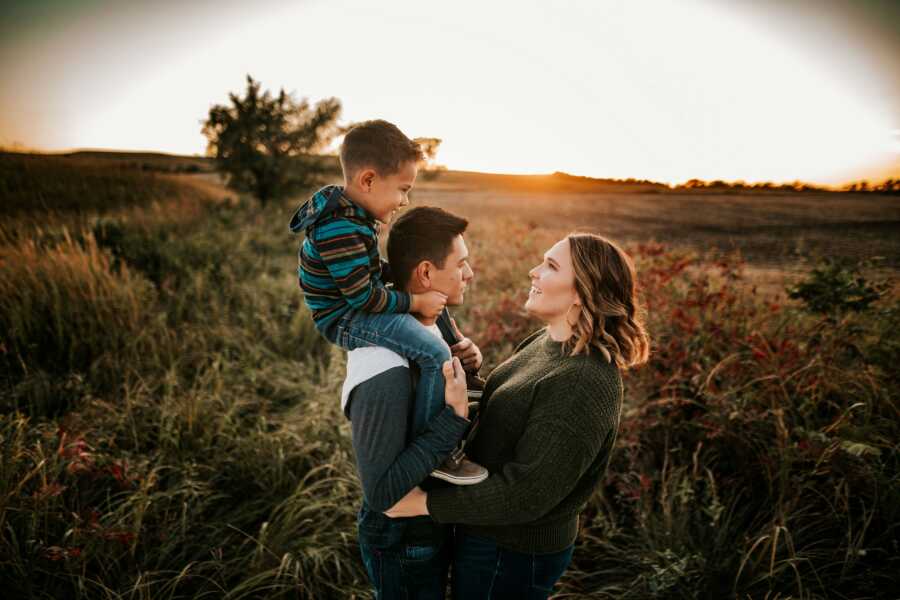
point(423, 274)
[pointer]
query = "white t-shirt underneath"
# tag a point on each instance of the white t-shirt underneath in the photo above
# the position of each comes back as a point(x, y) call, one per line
point(365, 363)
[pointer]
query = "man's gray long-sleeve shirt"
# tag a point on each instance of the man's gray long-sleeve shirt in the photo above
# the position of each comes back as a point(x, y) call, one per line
point(390, 460)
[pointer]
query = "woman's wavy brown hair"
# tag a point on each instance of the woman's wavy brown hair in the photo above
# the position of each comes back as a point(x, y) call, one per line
point(608, 318)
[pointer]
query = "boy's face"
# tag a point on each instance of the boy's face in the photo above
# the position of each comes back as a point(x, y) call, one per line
point(386, 194)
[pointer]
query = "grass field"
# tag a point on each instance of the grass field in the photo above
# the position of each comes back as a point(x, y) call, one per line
point(169, 424)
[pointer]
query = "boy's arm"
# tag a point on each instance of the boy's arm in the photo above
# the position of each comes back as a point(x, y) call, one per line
point(379, 413)
point(346, 257)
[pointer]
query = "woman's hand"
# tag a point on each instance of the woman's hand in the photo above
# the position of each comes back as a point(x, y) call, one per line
point(455, 388)
point(466, 350)
point(413, 504)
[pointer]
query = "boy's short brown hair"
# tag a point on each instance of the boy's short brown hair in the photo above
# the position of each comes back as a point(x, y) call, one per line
point(378, 145)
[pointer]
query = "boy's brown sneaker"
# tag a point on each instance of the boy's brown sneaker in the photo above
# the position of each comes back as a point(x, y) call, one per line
point(474, 386)
point(460, 471)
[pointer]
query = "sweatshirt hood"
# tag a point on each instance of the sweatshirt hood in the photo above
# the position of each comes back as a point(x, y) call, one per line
point(321, 204)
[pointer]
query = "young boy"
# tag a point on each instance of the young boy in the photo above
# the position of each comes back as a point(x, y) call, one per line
point(341, 270)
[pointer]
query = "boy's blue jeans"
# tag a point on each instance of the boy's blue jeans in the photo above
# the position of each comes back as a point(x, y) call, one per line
point(403, 334)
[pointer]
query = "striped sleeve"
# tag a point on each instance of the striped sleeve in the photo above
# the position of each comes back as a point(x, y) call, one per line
point(342, 248)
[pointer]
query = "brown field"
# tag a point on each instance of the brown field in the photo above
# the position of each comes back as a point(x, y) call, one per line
point(772, 230)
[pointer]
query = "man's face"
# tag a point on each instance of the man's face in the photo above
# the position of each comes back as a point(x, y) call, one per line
point(453, 279)
point(390, 192)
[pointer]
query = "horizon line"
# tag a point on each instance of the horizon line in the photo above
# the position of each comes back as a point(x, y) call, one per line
point(18, 148)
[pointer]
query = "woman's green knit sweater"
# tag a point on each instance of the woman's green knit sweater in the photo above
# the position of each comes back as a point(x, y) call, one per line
point(548, 426)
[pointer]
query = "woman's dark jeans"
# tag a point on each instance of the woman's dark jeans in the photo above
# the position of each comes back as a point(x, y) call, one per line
point(481, 571)
point(408, 572)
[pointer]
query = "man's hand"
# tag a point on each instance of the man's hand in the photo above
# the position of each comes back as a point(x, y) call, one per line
point(428, 304)
point(414, 504)
point(466, 350)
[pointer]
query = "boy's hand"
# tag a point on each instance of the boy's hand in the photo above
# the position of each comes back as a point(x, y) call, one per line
point(455, 394)
point(466, 350)
point(429, 304)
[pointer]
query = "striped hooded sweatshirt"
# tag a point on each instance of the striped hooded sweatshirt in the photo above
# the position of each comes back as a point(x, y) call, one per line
point(339, 266)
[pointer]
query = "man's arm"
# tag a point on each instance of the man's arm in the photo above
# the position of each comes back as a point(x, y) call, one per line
point(379, 411)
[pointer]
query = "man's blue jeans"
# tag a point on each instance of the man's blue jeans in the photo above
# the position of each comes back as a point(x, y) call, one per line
point(482, 570)
point(407, 572)
point(403, 334)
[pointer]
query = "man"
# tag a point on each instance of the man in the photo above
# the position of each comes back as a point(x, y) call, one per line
point(408, 558)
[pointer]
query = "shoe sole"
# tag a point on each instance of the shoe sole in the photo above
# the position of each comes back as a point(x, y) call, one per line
point(456, 480)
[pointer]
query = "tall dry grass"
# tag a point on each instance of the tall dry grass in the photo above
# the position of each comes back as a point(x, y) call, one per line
point(65, 315)
point(165, 430)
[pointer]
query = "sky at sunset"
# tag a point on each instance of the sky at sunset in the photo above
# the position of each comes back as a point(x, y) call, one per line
point(663, 90)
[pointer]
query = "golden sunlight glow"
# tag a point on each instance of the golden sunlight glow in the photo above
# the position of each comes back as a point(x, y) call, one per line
point(658, 90)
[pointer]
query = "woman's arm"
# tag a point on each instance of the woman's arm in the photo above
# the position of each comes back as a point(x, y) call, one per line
point(523, 490)
point(554, 452)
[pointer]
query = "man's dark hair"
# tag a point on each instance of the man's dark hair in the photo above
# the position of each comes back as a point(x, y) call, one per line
point(378, 145)
point(421, 233)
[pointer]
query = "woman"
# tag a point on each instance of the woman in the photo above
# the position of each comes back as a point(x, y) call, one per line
point(548, 423)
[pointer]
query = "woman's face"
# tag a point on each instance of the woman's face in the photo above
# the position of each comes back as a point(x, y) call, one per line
point(553, 284)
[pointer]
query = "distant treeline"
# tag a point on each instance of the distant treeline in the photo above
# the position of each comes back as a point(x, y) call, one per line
point(766, 186)
point(888, 186)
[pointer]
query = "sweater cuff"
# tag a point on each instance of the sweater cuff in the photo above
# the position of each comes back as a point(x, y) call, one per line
point(404, 301)
point(449, 425)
